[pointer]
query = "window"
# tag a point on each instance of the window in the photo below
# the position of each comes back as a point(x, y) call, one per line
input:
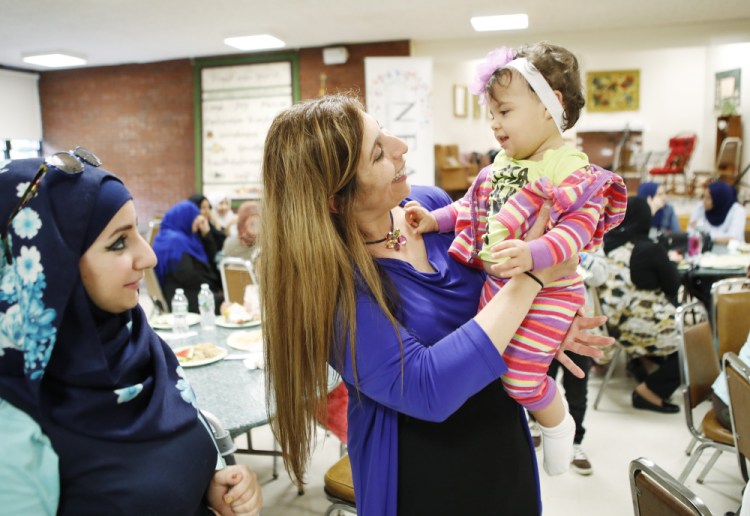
point(19, 149)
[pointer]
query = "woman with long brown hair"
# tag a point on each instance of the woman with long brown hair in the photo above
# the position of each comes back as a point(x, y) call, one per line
point(350, 283)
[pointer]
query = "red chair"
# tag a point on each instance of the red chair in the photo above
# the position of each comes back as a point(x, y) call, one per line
point(680, 151)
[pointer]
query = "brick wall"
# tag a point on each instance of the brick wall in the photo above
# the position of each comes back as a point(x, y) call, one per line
point(348, 77)
point(139, 118)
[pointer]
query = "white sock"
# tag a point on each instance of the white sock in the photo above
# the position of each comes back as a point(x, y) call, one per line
point(557, 443)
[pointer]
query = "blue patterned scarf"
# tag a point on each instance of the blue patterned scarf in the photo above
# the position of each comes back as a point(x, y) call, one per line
point(63, 360)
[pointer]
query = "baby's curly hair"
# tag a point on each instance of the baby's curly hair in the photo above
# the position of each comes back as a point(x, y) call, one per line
point(559, 67)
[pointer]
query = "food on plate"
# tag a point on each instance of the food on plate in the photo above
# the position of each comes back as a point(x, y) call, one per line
point(198, 353)
point(235, 313)
point(246, 340)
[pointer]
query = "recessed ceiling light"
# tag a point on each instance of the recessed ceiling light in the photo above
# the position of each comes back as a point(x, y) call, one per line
point(504, 22)
point(257, 42)
point(54, 60)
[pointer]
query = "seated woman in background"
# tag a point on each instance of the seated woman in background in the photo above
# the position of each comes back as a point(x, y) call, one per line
point(222, 215)
point(640, 300)
point(242, 245)
point(664, 217)
point(214, 227)
point(720, 214)
point(96, 416)
point(183, 246)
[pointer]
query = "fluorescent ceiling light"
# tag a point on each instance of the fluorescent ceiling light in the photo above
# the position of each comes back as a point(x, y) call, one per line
point(257, 42)
point(504, 22)
point(54, 60)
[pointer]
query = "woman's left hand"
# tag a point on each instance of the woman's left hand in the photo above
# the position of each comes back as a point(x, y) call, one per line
point(235, 490)
point(581, 342)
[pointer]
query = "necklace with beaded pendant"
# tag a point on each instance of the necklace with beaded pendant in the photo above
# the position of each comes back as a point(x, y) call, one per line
point(393, 240)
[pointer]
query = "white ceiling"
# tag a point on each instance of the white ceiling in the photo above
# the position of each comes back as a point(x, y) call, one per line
point(110, 32)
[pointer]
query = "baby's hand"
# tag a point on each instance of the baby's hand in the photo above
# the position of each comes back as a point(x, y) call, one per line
point(518, 258)
point(420, 218)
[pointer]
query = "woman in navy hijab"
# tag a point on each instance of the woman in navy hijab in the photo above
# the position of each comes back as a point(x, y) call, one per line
point(720, 214)
point(96, 413)
point(664, 219)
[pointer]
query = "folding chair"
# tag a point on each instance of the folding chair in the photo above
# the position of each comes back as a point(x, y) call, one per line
point(155, 292)
point(738, 383)
point(656, 493)
point(339, 487)
point(730, 313)
point(236, 274)
point(699, 367)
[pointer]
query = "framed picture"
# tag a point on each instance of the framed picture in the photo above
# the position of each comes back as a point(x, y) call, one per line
point(616, 90)
point(728, 88)
point(460, 101)
point(476, 107)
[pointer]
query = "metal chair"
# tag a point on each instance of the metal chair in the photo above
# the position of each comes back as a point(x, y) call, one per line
point(738, 383)
point(236, 274)
point(593, 295)
point(730, 313)
point(339, 487)
point(727, 167)
point(155, 292)
point(699, 367)
point(224, 441)
point(656, 493)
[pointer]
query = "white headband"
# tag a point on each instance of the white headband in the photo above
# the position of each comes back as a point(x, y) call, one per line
point(541, 87)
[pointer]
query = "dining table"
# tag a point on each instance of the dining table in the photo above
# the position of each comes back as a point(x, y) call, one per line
point(233, 387)
point(699, 272)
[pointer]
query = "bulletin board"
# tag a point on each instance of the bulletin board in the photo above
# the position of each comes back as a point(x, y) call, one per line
point(236, 102)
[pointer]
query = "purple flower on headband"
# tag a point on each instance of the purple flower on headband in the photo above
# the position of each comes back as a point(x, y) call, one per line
point(496, 59)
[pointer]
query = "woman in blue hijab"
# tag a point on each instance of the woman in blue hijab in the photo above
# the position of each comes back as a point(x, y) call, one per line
point(185, 248)
point(720, 214)
point(664, 218)
point(96, 415)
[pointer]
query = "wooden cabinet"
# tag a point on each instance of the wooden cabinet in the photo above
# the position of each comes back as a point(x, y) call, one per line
point(730, 125)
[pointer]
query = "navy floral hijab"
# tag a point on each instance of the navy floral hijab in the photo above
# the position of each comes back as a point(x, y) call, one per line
point(63, 360)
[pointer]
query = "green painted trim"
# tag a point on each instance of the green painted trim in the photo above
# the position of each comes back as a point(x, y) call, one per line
point(200, 64)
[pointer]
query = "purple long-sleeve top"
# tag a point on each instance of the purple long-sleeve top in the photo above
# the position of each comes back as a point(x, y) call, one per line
point(446, 359)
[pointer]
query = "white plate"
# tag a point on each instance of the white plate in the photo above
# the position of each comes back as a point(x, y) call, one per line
point(195, 362)
point(246, 340)
point(164, 321)
point(222, 321)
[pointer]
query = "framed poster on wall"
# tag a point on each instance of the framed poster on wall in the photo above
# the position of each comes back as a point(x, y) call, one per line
point(399, 96)
point(236, 102)
point(616, 90)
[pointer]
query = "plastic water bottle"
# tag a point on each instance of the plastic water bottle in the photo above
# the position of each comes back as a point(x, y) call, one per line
point(206, 306)
point(179, 312)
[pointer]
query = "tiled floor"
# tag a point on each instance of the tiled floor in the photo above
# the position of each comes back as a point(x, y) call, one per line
point(616, 434)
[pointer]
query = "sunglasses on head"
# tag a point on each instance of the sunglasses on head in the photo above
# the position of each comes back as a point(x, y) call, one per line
point(71, 163)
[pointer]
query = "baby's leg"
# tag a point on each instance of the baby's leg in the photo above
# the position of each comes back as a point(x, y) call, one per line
point(557, 440)
point(528, 356)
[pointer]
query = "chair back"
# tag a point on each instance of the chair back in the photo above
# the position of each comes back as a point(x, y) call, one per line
point(728, 157)
point(680, 151)
point(155, 292)
point(236, 274)
point(738, 383)
point(657, 493)
point(153, 229)
point(730, 305)
point(699, 362)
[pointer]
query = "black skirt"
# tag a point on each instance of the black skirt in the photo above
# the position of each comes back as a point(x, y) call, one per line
point(479, 461)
